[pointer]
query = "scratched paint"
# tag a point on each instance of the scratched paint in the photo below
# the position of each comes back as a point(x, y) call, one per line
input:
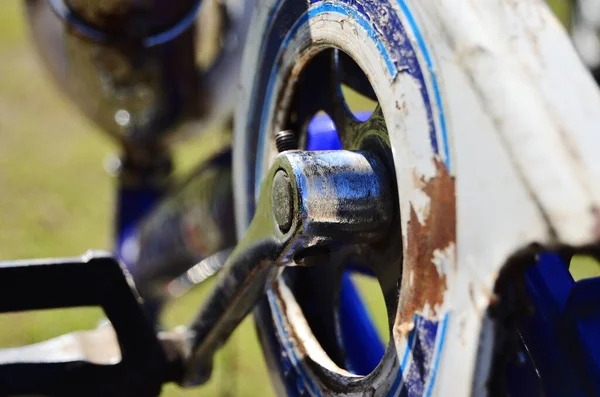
point(418, 115)
point(520, 120)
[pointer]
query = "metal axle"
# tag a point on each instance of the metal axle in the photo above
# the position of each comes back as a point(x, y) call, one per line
point(309, 202)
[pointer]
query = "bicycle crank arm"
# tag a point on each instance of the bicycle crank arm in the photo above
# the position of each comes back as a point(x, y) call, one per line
point(309, 202)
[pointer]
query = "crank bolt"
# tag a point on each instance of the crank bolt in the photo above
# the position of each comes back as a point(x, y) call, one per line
point(282, 197)
point(286, 140)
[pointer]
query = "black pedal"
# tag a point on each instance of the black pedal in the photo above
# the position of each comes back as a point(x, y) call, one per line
point(47, 368)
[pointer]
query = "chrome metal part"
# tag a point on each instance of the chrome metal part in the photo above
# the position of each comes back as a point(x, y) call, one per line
point(337, 198)
point(327, 200)
point(286, 140)
point(138, 68)
point(197, 274)
point(282, 194)
point(478, 177)
point(193, 223)
point(323, 77)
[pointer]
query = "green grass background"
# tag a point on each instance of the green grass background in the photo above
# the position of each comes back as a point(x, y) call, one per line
point(56, 200)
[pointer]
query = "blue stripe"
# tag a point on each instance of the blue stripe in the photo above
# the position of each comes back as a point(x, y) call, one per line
point(393, 66)
point(436, 88)
point(438, 353)
point(399, 381)
point(304, 18)
point(289, 347)
point(342, 9)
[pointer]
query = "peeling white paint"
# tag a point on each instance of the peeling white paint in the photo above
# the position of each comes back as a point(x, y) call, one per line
point(444, 259)
point(303, 333)
point(420, 202)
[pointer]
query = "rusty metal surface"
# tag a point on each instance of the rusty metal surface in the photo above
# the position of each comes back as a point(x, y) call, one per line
point(492, 128)
point(136, 69)
point(431, 244)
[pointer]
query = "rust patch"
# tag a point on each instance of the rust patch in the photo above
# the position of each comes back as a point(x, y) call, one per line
point(428, 285)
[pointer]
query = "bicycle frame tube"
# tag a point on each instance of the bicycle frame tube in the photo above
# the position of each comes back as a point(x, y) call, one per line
point(141, 184)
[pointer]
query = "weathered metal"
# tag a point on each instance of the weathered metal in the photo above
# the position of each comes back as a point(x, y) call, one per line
point(338, 198)
point(283, 195)
point(492, 120)
point(485, 114)
point(286, 140)
point(136, 68)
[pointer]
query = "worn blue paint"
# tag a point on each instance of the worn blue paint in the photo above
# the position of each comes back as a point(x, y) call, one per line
point(422, 349)
point(347, 11)
point(133, 203)
point(390, 38)
point(287, 348)
point(78, 24)
point(363, 346)
point(434, 81)
point(424, 345)
point(441, 338)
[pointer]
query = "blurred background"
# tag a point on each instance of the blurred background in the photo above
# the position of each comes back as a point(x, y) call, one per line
point(56, 199)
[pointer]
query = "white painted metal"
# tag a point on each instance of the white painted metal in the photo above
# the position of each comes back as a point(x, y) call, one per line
point(523, 117)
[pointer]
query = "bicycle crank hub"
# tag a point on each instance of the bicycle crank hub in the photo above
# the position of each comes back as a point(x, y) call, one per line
point(310, 202)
